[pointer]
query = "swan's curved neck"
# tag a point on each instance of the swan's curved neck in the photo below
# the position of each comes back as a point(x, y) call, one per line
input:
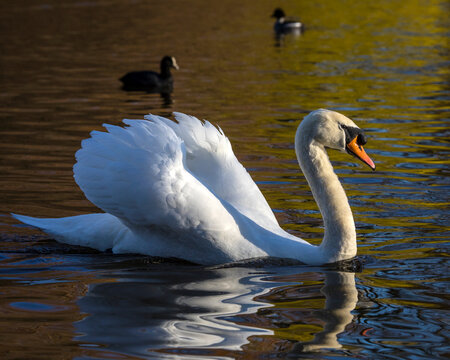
point(339, 240)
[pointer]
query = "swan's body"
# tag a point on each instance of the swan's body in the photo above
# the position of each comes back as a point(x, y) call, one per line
point(152, 81)
point(177, 190)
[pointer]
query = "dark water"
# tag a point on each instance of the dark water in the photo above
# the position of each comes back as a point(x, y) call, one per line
point(384, 64)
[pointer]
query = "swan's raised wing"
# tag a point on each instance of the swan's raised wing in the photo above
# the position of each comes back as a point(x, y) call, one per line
point(138, 174)
point(210, 158)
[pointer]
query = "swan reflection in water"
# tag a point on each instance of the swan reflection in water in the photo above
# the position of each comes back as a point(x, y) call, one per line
point(169, 310)
point(341, 298)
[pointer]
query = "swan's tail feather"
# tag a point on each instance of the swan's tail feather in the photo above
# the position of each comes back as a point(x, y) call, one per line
point(97, 231)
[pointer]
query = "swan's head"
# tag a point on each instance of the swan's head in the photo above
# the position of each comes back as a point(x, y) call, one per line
point(336, 131)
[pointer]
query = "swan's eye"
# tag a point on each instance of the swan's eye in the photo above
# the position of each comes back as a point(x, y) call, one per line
point(361, 140)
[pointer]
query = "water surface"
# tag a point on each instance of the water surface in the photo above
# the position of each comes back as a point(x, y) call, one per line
point(384, 64)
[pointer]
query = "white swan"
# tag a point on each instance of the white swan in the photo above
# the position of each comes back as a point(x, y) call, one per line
point(177, 190)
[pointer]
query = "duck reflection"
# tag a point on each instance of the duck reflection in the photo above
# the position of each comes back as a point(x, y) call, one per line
point(167, 99)
point(190, 308)
point(282, 39)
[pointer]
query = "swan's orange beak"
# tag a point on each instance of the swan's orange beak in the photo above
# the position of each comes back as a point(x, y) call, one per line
point(357, 150)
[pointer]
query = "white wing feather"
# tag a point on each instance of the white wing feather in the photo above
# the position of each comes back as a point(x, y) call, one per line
point(210, 158)
point(138, 174)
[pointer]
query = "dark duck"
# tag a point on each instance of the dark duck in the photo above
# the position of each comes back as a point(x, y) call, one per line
point(151, 81)
point(285, 25)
